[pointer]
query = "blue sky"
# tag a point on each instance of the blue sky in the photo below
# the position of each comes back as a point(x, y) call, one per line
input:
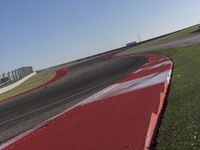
point(43, 33)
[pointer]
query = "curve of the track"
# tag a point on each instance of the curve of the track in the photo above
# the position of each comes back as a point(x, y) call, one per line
point(82, 80)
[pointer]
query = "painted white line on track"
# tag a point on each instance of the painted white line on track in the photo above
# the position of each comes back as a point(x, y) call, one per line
point(160, 64)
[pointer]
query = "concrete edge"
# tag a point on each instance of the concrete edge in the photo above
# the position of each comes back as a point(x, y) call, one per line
point(14, 85)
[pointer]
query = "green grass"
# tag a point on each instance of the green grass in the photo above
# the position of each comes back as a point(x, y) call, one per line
point(169, 37)
point(34, 81)
point(180, 125)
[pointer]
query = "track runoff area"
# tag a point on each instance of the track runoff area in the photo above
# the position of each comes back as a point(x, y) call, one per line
point(122, 116)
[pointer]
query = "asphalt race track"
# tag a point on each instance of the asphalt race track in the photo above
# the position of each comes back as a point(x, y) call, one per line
point(82, 80)
point(123, 115)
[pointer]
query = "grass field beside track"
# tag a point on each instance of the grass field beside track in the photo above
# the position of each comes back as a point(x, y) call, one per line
point(180, 125)
point(34, 81)
point(169, 37)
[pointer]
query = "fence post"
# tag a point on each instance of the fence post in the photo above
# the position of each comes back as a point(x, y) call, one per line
point(9, 77)
point(13, 76)
point(16, 75)
point(4, 80)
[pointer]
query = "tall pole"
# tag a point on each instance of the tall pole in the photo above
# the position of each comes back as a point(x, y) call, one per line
point(139, 38)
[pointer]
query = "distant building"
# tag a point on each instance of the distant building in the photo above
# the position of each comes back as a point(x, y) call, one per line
point(24, 71)
point(14, 76)
point(131, 44)
point(2, 80)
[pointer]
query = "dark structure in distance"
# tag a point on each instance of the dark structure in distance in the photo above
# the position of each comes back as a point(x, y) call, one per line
point(131, 44)
point(14, 76)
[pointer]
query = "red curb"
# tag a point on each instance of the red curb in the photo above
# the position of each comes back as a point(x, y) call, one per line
point(124, 123)
point(156, 118)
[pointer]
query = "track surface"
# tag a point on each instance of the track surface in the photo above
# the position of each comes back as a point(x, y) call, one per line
point(122, 116)
point(82, 80)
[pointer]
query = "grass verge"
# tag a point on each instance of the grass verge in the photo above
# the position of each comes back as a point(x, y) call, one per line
point(169, 37)
point(180, 125)
point(34, 81)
